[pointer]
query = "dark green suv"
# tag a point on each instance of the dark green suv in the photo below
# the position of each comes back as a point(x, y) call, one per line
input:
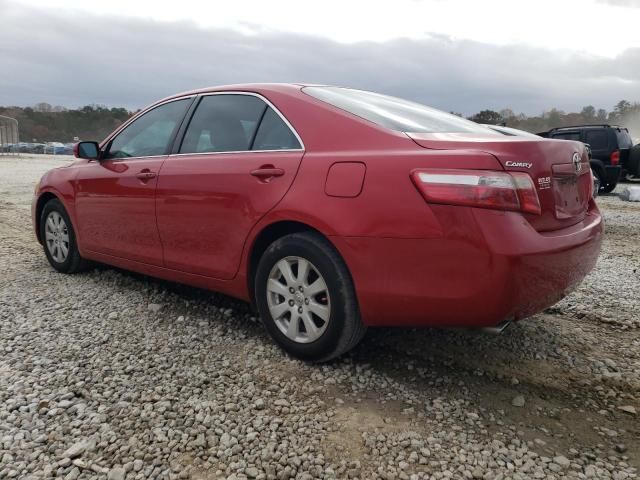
point(610, 151)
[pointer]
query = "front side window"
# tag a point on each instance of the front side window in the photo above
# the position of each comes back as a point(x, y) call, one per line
point(223, 123)
point(394, 113)
point(150, 134)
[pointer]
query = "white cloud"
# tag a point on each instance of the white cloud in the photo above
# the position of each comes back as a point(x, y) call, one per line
point(74, 60)
point(592, 26)
point(622, 3)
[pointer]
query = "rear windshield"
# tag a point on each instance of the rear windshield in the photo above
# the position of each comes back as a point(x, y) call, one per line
point(394, 113)
point(566, 135)
point(624, 139)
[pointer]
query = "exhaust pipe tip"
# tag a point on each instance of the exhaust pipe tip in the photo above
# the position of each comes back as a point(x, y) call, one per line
point(498, 329)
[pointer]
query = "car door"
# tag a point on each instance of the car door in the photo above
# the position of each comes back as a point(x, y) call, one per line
point(598, 141)
point(115, 196)
point(236, 160)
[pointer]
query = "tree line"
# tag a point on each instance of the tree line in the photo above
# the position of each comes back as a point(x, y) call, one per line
point(624, 113)
point(45, 123)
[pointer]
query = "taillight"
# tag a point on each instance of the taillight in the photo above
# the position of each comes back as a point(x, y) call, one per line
point(478, 188)
point(615, 157)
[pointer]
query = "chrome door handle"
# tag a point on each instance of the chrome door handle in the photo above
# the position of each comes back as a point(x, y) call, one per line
point(148, 175)
point(267, 172)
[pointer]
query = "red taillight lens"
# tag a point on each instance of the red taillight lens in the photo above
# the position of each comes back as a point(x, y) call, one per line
point(615, 157)
point(478, 188)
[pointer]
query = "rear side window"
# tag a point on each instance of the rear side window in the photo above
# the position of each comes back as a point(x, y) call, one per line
point(566, 136)
point(394, 113)
point(624, 139)
point(597, 139)
point(236, 123)
point(274, 134)
point(223, 123)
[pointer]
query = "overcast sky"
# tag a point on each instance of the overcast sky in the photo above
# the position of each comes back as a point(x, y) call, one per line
point(460, 55)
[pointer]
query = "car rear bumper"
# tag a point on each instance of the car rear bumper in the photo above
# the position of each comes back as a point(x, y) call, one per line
point(489, 267)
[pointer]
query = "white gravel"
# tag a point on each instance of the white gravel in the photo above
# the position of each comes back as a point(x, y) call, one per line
point(108, 374)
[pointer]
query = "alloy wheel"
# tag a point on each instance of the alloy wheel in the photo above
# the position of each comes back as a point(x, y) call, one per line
point(298, 299)
point(57, 237)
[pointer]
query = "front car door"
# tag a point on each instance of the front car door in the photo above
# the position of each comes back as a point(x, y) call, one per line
point(115, 197)
point(236, 161)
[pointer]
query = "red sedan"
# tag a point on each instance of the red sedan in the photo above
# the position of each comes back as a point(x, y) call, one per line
point(331, 209)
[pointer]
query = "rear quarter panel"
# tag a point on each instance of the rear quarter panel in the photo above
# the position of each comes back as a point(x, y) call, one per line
point(389, 205)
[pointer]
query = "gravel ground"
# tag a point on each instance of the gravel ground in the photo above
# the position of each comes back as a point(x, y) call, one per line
point(109, 374)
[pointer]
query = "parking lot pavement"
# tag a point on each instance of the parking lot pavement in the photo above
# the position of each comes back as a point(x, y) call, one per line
point(109, 373)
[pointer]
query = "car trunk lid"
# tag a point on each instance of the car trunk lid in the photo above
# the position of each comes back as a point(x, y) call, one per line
point(559, 169)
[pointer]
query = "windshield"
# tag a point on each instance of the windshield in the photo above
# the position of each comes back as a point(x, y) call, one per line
point(394, 113)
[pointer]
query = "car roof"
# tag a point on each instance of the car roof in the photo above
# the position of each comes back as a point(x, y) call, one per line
point(581, 127)
point(262, 88)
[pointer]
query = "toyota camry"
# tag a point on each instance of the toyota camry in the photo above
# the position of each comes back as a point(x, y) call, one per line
point(330, 209)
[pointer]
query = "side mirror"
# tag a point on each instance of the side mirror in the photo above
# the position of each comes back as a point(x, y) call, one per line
point(88, 150)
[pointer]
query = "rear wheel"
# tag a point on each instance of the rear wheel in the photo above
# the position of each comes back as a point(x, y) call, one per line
point(604, 187)
point(597, 181)
point(306, 298)
point(59, 239)
point(608, 188)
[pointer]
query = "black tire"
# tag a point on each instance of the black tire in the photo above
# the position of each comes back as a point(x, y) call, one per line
point(73, 262)
point(596, 183)
point(604, 186)
point(633, 163)
point(608, 188)
point(600, 176)
point(344, 328)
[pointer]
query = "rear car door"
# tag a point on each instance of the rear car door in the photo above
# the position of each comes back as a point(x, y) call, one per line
point(115, 196)
point(598, 140)
point(237, 159)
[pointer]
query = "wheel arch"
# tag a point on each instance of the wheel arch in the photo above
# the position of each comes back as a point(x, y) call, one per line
point(598, 166)
point(269, 234)
point(42, 201)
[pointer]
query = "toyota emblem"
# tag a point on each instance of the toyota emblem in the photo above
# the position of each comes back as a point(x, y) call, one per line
point(577, 162)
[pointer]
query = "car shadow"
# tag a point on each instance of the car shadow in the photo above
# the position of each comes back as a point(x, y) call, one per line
point(528, 353)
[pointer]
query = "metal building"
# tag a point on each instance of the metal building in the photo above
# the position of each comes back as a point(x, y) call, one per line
point(9, 138)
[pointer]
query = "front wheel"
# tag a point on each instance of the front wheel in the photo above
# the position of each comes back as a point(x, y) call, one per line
point(306, 298)
point(59, 239)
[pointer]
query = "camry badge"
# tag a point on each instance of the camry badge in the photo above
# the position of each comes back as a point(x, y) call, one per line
point(577, 162)
point(519, 164)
